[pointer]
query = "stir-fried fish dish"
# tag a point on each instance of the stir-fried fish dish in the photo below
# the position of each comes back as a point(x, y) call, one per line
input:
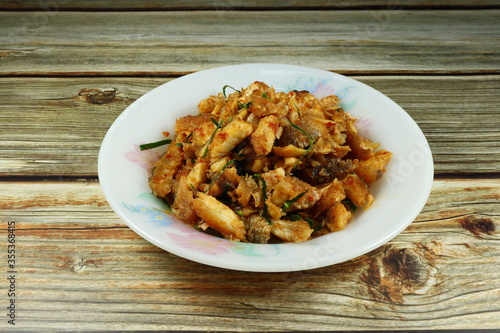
point(261, 166)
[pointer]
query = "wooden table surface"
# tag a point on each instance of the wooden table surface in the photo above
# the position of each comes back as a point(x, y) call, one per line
point(69, 68)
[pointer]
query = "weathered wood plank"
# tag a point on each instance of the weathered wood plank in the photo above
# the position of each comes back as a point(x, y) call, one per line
point(55, 5)
point(176, 42)
point(70, 116)
point(80, 266)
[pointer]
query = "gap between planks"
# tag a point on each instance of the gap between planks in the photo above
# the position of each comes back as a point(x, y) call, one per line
point(175, 75)
point(217, 5)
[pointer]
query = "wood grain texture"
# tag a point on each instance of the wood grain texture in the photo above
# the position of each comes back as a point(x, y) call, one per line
point(55, 5)
point(80, 266)
point(55, 126)
point(69, 68)
point(178, 42)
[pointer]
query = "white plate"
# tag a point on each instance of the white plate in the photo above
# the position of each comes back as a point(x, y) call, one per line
point(399, 195)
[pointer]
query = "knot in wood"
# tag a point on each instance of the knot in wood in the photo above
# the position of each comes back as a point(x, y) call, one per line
point(477, 225)
point(79, 265)
point(406, 266)
point(97, 96)
point(394, 272)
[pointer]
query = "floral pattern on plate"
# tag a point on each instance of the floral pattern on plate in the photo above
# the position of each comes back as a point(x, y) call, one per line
point(193, 239)
point(200, 242)
point(145, 158)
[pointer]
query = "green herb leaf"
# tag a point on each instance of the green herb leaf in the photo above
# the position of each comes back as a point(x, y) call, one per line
point(215, 122)
point(265, 96)
point(350, 205)
point(152, 145)
point(169, 207)
point(295, 217)
point(298, 110)
point(228, 86)
point(264, 196)
point(244, 106)
point(290, 202)
point(311, 222)
point(311, 142)
point(217, 126)
point(227, 186)
point(228, 163)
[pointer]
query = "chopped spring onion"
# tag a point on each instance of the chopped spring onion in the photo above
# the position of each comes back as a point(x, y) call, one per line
point(217, 126)
point(298, 110)
point(152, 145)
point(228, 86)
point(290, 202)
point(311, 222)
point(244, 106)
point(185, 140)
point(296, 217)
point(228, 163)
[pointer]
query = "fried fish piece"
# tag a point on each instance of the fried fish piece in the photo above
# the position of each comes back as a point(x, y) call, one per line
point(164, 170)
point(258, 229)
point(373, 168)
point(229, 137)
point(291, 231)
point(219, 217)
point(357, 191)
